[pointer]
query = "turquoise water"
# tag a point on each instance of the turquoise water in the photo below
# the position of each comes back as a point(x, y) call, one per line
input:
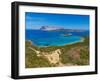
point(47, 38)
point(57, 41)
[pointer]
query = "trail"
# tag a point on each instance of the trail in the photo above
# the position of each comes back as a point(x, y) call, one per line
point(53, 57)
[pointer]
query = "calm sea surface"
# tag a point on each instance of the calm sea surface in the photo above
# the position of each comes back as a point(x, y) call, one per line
point(53, 38)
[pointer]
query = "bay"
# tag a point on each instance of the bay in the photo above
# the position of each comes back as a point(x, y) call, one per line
point(53, 38)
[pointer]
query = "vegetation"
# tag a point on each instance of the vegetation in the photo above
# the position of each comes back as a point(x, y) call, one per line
point(74, 54)
point(31, 59)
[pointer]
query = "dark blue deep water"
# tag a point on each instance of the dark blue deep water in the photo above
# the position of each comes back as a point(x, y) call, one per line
point(53, 38)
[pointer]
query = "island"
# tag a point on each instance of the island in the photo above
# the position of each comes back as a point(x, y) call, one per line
point(61, 29)
point(51, 28)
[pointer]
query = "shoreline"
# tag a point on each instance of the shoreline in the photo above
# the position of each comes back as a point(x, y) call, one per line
point(82, 40)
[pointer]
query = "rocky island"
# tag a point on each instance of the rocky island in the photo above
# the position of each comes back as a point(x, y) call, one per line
point(54, 28)
point(50, 28)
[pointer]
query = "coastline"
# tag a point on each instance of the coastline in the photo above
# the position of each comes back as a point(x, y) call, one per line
point(77, 53)
point(82, 40)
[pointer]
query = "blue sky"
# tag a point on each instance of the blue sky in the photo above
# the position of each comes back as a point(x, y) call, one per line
point(67, 21)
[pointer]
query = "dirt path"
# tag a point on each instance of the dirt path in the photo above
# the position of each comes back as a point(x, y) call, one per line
point(53, 57)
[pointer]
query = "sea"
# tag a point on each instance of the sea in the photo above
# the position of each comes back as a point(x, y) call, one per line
point(43, 38)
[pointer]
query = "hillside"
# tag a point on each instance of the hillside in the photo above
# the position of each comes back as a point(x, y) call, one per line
point(56, 56)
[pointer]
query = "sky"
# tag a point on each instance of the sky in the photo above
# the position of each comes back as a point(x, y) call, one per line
point(67, 21)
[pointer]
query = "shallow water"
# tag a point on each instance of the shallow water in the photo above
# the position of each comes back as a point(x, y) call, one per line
point(53, 38)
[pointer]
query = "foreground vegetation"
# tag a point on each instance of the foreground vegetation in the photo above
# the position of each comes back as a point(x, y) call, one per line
point(73, 54)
